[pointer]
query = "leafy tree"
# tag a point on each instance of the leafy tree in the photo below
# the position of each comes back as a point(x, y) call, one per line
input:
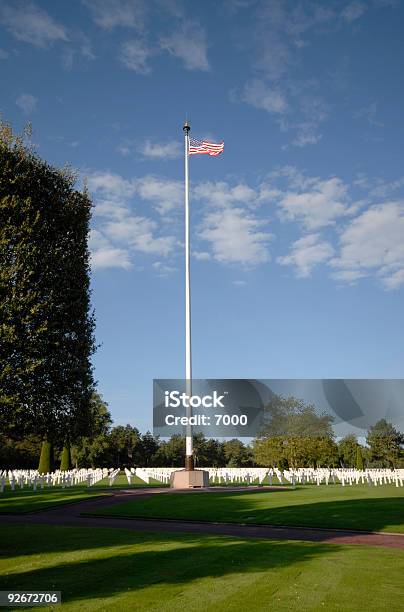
point(213, 454)
point(65, 460)
point(199, 446)
point(125, 443)
point(359, 459)
point(93, 450)
point(326, 452)
point(385, 443)
point(47, 329)
point(19, 453)
point(46, 460)
point(347, 448)
point(236, 453)
point(148, 448)
point(295, 435)
point(292, 417)
point(172, 452)
point(269, 452)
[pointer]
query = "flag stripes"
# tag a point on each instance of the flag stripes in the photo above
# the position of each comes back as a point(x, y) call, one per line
point(198, 147)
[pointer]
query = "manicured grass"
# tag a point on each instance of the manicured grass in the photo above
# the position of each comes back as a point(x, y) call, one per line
point(114, 569)
point(357, 507)
point(26, 500)
point(121, 482)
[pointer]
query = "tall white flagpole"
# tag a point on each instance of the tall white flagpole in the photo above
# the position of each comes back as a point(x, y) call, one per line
point(189, 456)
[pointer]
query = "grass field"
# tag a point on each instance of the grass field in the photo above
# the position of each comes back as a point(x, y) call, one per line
point(122, 482)
point(357, 507)
point(26, 500)
point(114, 569)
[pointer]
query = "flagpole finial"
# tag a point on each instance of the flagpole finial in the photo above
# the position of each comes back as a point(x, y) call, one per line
point(186, 127)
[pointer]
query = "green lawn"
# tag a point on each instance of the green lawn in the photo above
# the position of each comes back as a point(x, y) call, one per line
point(121, 482)
point(114, 569)
point(26, 500)
point(357, 507)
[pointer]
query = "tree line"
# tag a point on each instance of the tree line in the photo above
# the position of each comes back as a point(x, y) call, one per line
point(294, 436)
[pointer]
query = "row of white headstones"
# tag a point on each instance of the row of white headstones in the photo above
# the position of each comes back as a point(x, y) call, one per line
point(20, 479)
point(317, 476)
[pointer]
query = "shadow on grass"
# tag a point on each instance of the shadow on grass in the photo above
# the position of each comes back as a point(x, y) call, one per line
point(365, 514)
point(23, 501)
point(358, 514)
point(126, 561)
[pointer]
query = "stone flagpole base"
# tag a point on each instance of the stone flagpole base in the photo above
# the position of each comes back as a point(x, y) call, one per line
point(189, 479)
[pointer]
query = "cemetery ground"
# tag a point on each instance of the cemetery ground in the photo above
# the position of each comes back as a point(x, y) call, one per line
point(27, 500)
point(357, 507)
point(118, 569)
point(119, 563)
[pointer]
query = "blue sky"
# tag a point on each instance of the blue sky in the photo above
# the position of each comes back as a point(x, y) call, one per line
point(297, 229)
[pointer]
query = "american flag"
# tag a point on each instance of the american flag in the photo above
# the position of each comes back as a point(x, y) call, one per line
point(198, 147)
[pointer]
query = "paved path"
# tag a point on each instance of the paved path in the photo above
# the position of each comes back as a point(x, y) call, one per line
point(71, 514)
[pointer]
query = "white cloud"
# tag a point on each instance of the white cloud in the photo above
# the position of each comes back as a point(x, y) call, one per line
point(295, 178)
point(201, 255)
point(82, 49)
point(139, 234)
point(124, 231)
point(110, 185)
point(3, 54)
point(304, 114)
point(373, 242)
point(239, 283)
point(307, 134)
point(279, 31)
point(220, 193)
point(306, 253)
point(27, 103)
point(378, 188)
point(259, 95)
point(86, 48)
point(110, 209)
point(296, 108)
point(347, 276)
point(31, 24)
point(353, 11)
point(109, 14)
point(168, 150)
point(165, 194)
point(113, 190)
point(189, 45)
point(134, 55)
point(369, 243)
point(384, 189)
point(318, 205)
point(275, 57)
point(105, 255)
point(163, 269)
point(235, 236)
point(394, 280)
point(229, 224)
